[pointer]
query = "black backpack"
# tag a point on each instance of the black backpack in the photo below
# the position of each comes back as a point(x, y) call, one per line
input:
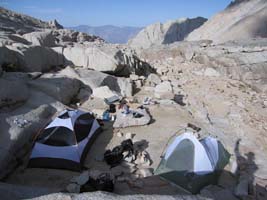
point(102, 183)
point(115, 157)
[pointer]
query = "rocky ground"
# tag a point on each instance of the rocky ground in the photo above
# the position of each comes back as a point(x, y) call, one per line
point(219, 88)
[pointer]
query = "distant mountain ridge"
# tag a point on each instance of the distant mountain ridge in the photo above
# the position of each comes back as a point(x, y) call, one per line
point(14, 22)
point(110, 33)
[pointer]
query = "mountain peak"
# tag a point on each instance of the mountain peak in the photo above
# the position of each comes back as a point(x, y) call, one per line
point(55, 24)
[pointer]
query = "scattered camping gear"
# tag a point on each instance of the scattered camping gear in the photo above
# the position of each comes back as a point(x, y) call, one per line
point(102, 183)
point(125, 109)
point(137, 115)
point(115, 157)
point(65, 142)
point(122, 103)
point(148, 101)
point(106, 116)
point(112, 99)
point(193, 164)
point(21, 122)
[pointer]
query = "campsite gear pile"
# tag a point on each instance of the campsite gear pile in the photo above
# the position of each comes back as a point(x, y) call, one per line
point(192, 163)
point(64, 143)
point(115, 156)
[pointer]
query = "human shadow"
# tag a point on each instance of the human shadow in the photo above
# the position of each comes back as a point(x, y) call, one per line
point(246, 168)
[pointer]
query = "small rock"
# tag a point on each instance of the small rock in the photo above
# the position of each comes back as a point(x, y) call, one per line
point(82, 179)
point(134, 77)
point(189, 53)
point(103, 92)
point(145, 172)
point(164, 90)
point(138, 83)
point(240, 104)
point(165, 78)
point(129, 136)
point(153, 79)
point(73, 188)
point(149, 89)
point(142, 77)
point(119, 134)
point(211, 72)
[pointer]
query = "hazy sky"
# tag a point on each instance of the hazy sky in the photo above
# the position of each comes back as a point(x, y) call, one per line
point(114, 12)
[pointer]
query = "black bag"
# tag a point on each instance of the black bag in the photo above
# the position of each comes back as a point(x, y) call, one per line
point(127, 145)
point(112, 108)
point(115, 157)
point(102, 183)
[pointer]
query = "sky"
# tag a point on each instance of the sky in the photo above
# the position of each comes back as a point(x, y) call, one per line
point(114, 12)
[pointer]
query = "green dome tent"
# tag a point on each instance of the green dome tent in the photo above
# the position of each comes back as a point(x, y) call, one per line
point(193, 164)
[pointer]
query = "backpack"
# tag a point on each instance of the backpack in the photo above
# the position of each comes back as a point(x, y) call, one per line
point(102, 183)
point(115, 157)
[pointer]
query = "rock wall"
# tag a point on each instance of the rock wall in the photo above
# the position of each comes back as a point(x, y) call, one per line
point(166, 33)
point(240, 20)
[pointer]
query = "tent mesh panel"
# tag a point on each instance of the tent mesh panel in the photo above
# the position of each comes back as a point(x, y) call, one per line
point(57, 136)
point(83, 125)
point(182, 158)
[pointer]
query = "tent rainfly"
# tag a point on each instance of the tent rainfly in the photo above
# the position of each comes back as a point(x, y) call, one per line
point(65, 142)
point(191, 163)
